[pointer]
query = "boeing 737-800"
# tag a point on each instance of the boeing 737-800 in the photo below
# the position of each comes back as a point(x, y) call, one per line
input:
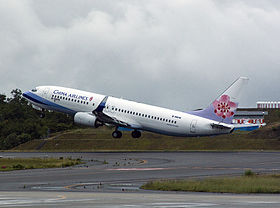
point(95, 110)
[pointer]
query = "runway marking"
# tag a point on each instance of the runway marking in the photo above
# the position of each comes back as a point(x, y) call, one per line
point(138, 169)
point(61, 197)
point(193, 168)
point(183, 205)
point(26, 201)
point(81, 184)
point(144, 162)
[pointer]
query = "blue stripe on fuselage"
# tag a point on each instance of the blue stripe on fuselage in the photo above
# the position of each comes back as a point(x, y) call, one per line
point(50, 105)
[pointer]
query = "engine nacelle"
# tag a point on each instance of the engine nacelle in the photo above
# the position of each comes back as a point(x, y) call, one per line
point(86, 119)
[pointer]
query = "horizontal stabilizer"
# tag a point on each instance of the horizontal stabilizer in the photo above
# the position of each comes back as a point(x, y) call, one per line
point(247, 127)
point(221, 126)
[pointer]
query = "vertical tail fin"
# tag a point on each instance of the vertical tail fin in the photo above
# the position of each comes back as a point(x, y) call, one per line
point(224, 107)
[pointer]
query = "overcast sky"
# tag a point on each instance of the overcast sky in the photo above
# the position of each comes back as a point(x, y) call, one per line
point(171, 53)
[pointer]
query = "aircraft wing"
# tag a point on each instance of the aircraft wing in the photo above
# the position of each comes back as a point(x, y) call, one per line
point(241, 127)
point(110, 120)
point(120, 122)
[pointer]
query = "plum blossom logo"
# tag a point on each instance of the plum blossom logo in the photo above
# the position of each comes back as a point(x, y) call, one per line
point(90, 98)
point(224, 107)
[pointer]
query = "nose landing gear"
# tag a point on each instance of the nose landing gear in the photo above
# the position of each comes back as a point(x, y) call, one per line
point(42, 115)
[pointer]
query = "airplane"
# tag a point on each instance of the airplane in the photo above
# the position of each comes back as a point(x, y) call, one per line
point(95, 110)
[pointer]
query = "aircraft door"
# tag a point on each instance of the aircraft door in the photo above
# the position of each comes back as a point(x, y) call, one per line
point(113, 109)
point(45, 92)
point(193, 126)
point(108, 108)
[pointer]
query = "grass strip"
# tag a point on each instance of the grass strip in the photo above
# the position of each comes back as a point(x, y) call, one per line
point(9, 164)
point(242, 184)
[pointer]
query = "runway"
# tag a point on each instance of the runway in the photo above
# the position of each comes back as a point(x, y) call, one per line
point(143, 200)
point(120, 175)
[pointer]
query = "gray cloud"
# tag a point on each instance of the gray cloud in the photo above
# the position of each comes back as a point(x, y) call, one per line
point(177, 54)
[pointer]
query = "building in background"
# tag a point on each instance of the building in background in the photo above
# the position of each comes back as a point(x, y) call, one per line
point(249, 117)
point(268, 105)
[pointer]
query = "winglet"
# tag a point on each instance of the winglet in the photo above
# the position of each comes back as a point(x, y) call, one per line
point(101, 106)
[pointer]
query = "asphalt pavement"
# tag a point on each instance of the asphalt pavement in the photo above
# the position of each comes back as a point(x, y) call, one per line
point(119, 176)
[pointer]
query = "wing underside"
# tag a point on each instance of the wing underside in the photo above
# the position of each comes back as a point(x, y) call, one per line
point(107, 119)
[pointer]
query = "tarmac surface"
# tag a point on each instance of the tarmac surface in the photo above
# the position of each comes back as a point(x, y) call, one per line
point(113, 180)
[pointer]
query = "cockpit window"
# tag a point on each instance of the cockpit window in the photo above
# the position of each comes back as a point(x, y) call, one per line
point(34, 90)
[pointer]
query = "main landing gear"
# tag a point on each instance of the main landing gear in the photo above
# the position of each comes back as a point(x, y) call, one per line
point(118, 134)
point(136, 134)
point(42, 115)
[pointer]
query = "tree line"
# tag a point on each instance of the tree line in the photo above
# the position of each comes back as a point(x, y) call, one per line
point(20, 123)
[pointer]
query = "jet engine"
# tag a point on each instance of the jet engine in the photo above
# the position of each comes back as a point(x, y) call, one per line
point(86, 119)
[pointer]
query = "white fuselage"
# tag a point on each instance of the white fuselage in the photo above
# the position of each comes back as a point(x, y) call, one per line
point(139, 116)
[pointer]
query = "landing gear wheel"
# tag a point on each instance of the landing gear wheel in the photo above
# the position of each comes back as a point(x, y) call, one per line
point(117, 134)
point(136, 134)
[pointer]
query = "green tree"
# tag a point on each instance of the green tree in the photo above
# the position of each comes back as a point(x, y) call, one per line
point(19, 122)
